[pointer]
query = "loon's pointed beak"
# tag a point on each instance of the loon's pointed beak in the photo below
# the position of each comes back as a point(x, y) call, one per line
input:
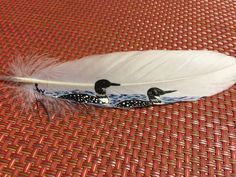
point(115, 84)
point(170, 91)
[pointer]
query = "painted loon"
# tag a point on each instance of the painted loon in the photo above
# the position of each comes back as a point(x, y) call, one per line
point(100, 98)
point(153, 96)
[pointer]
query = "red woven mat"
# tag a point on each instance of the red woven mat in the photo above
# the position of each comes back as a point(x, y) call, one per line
point(184, 139)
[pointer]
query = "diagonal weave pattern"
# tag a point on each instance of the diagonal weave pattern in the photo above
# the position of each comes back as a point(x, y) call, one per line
point(183, 139)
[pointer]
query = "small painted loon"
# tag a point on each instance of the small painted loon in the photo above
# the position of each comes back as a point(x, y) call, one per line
point(153, 96)
point(100, 98)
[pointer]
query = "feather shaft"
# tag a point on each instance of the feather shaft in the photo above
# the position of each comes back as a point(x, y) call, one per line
point(27, 80)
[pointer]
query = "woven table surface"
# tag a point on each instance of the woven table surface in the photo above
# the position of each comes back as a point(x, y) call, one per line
point(183, 139)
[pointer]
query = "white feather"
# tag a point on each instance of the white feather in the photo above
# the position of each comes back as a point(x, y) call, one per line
point(192, 74)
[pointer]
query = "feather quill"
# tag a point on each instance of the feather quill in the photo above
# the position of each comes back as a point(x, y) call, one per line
point(124, 79)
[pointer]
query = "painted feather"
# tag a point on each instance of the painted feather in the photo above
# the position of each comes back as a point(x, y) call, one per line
point(124, 79)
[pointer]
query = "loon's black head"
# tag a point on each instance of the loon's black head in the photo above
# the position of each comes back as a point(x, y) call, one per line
point(101, 85)
point(154, 92)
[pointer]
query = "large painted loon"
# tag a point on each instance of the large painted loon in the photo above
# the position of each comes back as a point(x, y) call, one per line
point(153, 96)
point(99, 99)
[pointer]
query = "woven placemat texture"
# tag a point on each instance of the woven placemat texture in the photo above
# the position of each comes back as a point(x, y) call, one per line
point(182, 139)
